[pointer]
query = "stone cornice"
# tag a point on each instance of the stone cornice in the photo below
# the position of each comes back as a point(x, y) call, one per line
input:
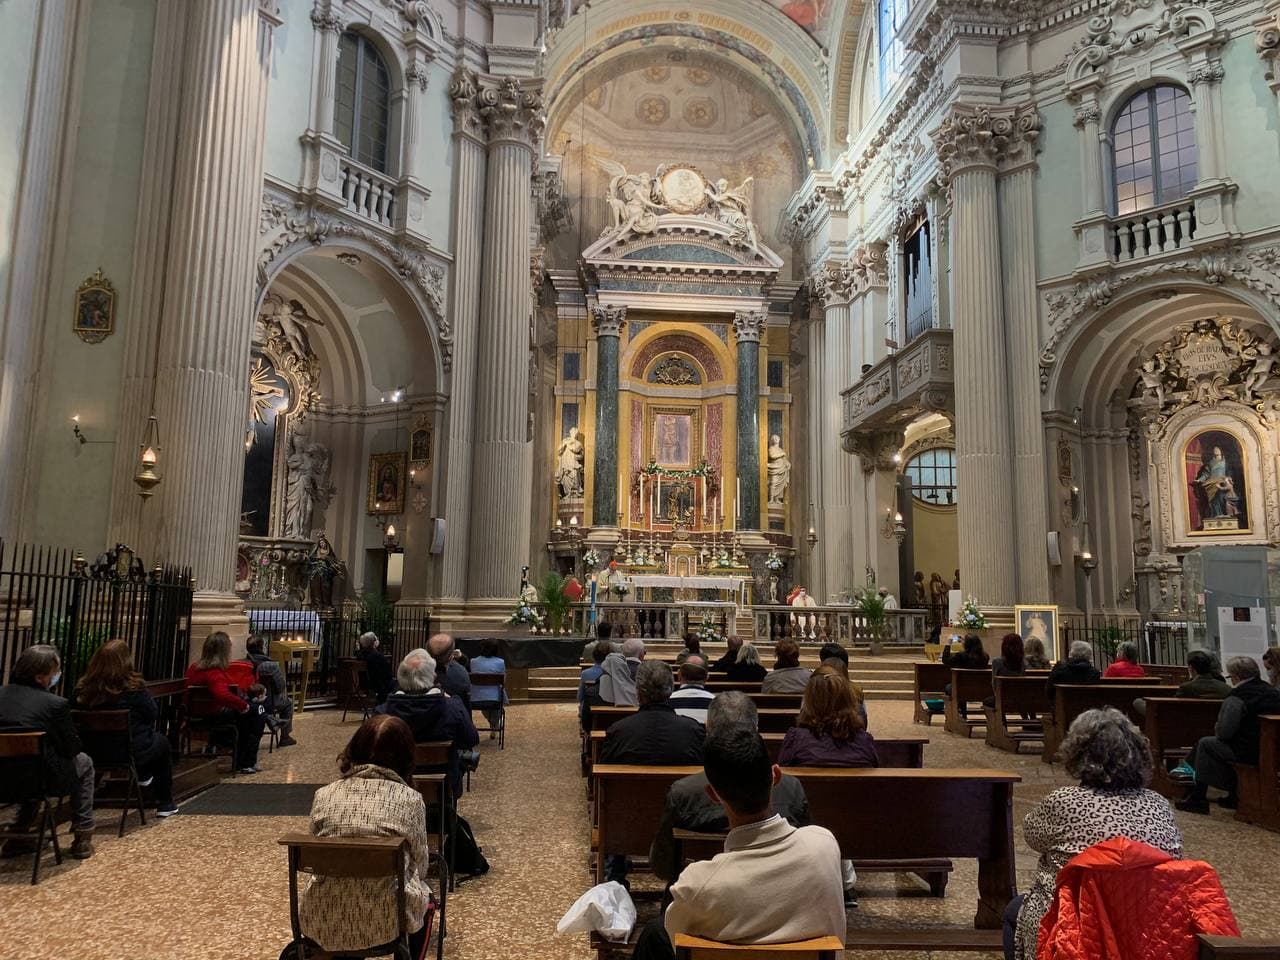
point(981, 136)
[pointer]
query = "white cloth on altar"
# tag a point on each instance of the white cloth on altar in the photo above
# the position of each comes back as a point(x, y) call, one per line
point(686, 583)
point(291, 621)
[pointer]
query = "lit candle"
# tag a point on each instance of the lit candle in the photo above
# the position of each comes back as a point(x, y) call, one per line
point(659, 510)
point(737, 501)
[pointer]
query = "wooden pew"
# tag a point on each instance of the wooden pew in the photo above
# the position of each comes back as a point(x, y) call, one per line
point(967, 686)
point(1231, 948)
point(1166, 673)
point(891, 752)
point(930, 679)
point(1071, 700)
point(717, 683)
point(771, 720)
point(1173, 726)
point(1017, 699)
point(1259, 787)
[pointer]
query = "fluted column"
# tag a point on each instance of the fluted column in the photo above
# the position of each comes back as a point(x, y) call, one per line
point(971, 142)
point(817, 446)
point(748, 328)
point(329, 28)
point(503, 451)
point(468, 223)
point(608, 323)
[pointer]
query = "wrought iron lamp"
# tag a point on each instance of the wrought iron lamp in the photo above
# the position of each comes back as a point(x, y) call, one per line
point(812, 536)
point(146, 478)
point(893, 528)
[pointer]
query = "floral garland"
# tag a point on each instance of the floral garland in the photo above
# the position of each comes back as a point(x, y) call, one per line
point(703, 469)
point(971, 617)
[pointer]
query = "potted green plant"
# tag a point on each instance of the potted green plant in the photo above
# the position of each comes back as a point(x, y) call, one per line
point(554, 600)
point(1109, 640)
point(870, 604)
point(377, 614)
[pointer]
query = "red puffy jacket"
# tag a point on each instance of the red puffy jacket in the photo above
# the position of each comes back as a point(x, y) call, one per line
point(1123, 900)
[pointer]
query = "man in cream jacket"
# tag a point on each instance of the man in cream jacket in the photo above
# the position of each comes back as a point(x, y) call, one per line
point(774, 883)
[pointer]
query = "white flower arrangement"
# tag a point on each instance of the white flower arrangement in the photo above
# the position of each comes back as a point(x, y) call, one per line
point(723, 559)
point(524, 613)
point(591, 559)
point(707, 632)
point(773, 561)
point(971, 617)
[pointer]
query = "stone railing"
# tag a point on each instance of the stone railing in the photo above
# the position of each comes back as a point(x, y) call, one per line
point(840, 624)
point(368, 194)
point(918, 378)
point(1154, 231)
point(1205, 217)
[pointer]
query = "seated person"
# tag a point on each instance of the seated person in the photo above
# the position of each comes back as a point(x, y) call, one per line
point(829, 731)
point(26, 701)
point(834, 655)
point(279, 703)
point(452, 676)
point(692, 698)
point(211, 671)
point(1205, 681)
point(1077, 668)
point(111, 683)
point(787, 676)
point(431, 713)
point(1112, 760)
point(725, 663)
point(1012, 662)
point(617, 682)
point(1236, 736)
point(633, 653)
point(692, 645)
point(486, 698)
point(374, 797)
point(1126, 662)
point(604, 632)
point(1033, 655)
point(971, 657)
point(377, 666)
point(589, 681)
point(746, 667)
point(1271, 661)
point(774, 883)
point(690, 808)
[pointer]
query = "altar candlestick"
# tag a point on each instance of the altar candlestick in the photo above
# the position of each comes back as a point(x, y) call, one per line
point(659, 496)
point(737, 503)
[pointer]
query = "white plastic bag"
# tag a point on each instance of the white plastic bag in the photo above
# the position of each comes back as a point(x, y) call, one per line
point(606, 908)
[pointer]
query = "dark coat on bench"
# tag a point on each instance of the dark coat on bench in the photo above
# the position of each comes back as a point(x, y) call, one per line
point(654, 735)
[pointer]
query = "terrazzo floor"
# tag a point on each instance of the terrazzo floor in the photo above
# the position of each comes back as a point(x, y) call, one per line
point(216, 887)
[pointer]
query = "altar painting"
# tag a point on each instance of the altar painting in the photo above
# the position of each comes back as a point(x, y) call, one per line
point(672, 436)
point(1217, 501)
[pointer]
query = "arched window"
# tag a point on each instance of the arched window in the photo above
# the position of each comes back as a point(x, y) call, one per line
point(362, 110)
point(1154, 154)
point(892, 14)
point(933, 476)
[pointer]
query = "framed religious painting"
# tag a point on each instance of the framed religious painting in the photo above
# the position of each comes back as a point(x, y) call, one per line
point(388, 474)
point(675, 439)
point(420, 445)
point(95, 316)
point(1217, 496)
point(1039, 622)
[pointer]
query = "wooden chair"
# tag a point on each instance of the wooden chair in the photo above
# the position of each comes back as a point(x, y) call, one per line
point(203, 715)
point(697, 948)
point(498, 680)
point(434, 788)
point(353, 689)
point(23, 779)
point(105, 736)
point(1231, 948)
point(431, 757)
point(364, 858)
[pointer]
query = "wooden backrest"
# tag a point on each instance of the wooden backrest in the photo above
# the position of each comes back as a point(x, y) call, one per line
point(1269, 752)
point(746, 686)
point(1136, 681)
point(16, 743)
point(931, 677)
point(1178, 723)
point(1071, 700)
point(696, 948)
point(771, 719)
point(1227, 948)
point(365, 857)
point(432, 753)
point(1020, 695)
point(777, 701)
point(891, 752)
point(1167, 673)
point(104, 735)
point(968, 684)
point(488, 679)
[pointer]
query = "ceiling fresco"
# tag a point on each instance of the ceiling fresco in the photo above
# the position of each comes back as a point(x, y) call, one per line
point(813, 15)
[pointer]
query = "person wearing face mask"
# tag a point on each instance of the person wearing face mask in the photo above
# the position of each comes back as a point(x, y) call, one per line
point(26, 701)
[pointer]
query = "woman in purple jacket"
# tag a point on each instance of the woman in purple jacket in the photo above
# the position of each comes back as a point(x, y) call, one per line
point(829, 731)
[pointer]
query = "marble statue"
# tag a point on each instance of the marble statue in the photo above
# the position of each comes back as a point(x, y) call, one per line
point(779, 470)
point(307, 486)
point(1263, 360)
point(732, 207)
point(1152, 374)
point(324, 568)
point(569, 464)
point(630, 197)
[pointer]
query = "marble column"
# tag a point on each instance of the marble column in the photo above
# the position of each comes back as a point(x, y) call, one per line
point(748, 328)
point(816, 583)
point(469, 141)
point(971, 143)
point(503, 449)
point(207, 322)
point(608, 323)
point(1030, 492)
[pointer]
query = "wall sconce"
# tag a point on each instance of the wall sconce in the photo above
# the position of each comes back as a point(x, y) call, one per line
point(146, 478)
point(893, 528)
point(390, 538)
point(812, 536)
point(75, 429)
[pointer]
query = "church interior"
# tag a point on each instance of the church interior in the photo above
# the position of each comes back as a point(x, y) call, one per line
point(894, 338)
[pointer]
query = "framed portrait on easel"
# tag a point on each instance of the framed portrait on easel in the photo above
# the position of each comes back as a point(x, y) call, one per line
point(1039, 622)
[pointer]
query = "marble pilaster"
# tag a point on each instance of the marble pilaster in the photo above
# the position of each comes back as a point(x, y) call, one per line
point(608, 323)
point(468, 225)
point(816, 333)
point(748, 328)
point(503, 450)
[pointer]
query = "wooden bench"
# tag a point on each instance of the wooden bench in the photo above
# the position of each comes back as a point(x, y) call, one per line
point(1259, 787)
point(967, 686)
point(890, 751)
point(771, 720)
point(1229, 948)
point(745, 686)
point(1018, 714)
point(1071, 700)
point(1168, 674)
point(930, 679)
point(697, 948)
point(1173, 726)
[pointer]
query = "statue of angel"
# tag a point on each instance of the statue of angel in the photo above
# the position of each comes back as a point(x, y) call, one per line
point(1152, 374)
point(732, 207)
point(630, 198)
point(1263, 359)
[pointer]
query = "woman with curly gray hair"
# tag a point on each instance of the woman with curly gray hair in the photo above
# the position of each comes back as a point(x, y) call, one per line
point(1112, 760)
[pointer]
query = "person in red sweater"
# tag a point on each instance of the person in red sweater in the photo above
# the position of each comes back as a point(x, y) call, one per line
point(211, 671)
point(1126, 664)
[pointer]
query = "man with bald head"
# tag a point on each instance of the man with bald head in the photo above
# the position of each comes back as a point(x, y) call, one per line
point(450, 674)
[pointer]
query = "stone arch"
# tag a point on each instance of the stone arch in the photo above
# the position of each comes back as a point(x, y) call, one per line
point(704, 348)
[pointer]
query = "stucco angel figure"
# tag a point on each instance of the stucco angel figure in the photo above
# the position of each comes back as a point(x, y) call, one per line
point(733, 208)
point(1264, 359)
point(1152, 374)
point(630, 198)
point(569, 458)
point(779, 469)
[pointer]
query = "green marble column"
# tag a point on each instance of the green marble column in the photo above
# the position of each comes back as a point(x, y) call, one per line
point(748, 328)
point(608, 322)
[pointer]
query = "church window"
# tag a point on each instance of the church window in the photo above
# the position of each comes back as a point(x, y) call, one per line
point(572, 365)
point(933, 476)
point(892, 15)
point(777, 375)
point(917, 277)
point(1154, 153)
point(362, 111)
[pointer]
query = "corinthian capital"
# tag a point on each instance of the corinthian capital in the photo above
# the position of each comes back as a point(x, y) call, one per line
point(513, 114)
point(982, 136)
point(608, 321)
point(749, 325)
point(870, 266)
point(463, 90)
point(324, 18)
point(835, 283)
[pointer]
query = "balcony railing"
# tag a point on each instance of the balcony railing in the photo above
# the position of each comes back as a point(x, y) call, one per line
point(917, 378)
point(368, 194)
point(1150, 232)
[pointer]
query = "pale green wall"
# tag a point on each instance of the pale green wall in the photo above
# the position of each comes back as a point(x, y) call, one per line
point(99, 210)
point(289, 91)
point(434, 158)
point(17, 46)
point(1059, 192)
point(1252, 138)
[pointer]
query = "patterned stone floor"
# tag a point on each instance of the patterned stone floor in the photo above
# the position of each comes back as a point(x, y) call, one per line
point(215, 887)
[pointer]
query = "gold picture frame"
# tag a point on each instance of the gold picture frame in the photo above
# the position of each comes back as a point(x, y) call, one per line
point(421, 441)
point(388, 476)
point(1242, 495)
point(1041, 621)
point(691, 417)
point(95, 314)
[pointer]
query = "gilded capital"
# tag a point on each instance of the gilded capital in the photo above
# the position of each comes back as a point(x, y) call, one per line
point(608, 321)
point(982, 136)
point(512, 113)
point(749, 325)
